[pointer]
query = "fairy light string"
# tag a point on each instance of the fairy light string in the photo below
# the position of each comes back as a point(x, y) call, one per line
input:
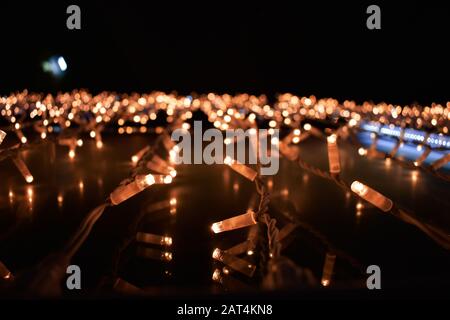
point(64, 118)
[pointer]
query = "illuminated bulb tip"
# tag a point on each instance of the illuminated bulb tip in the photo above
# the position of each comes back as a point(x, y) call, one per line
point(168, 256)
point(359, 188)
point(23, 140)
point(216, 275)
point(71, 154)
point(416, 163)
point(168, 179)
point(362, 151)
point(173, 201)
point(92, 134)
point(43, 135)
point(307, 127)
point(173, 173)
point(250, 252)
point(135, 159)
point(216, 253)
point(325, 283)
point(297, 132)
point(29, 179)
point(149, 179)
point(332, 138)
point(216, 227)
point(296, 140)
point(79, 142)
point(99, 144)
point(228, 161)
point(167, 241)
point(372, 196)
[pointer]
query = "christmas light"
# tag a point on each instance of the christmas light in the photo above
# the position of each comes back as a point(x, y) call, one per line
point(2, 136)
point(362, 151)
point(252, 239)
point(328, 269)
point(224, 278)
point(372, 196)
point(153, 239)
point(168, 143)
point(291, 153)
point(333, 154)
point(5, 274)
point(242, 169)
point(159, 165)
point(21, 136)
point(235, 263)
point(125, 192)
point(150, 253)
point(98, 140)
point(23, 169)
point(241, 221)
point(135, 158)
point(239, 248)
point(441, 162)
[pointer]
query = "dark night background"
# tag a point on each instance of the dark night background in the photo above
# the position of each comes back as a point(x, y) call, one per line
point(311, 47)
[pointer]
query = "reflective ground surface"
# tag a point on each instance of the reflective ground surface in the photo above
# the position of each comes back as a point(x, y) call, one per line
point(37, 219)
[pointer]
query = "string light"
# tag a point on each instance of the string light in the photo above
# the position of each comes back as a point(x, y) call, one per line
point(20, 164)
point(218, 109)
point(291, 153)
point(372, 196)
point(441, 162)
point(154, 254)
point(159, 165)
point(125, 192)
point(328, 269)
point(153, 239)
point(5, 274)
point(98, 140)
point(173, 206)
point(362, 152)
point(242, 169)
point(238, 249)
point(21, 136)
point(2, 136)
point(237, 222)
point(422, 157)
point(138, 156)
point(333, 154)
point(235, 263)
point(252, 239)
